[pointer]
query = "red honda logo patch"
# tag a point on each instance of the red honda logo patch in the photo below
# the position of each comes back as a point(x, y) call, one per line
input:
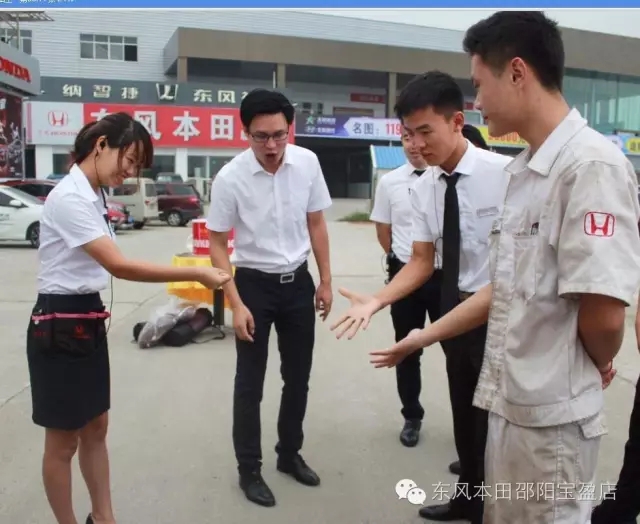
point(598, 224)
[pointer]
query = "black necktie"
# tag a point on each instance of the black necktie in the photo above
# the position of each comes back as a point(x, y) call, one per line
point(450, 246)
point(419, 171)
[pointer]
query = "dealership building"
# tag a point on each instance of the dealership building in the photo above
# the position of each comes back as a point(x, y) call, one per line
point(19, 81)
point(184, 76)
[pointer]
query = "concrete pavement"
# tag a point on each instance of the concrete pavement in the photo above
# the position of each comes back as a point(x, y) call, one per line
point(170, 437)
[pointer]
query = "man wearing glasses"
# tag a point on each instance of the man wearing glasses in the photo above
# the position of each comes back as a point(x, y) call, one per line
point(273, 195)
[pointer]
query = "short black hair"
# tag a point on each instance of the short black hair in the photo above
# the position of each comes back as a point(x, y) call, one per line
point(265, 102)
point(529, 35)
point(434, 89)
point(120, 131)
point(473, 135)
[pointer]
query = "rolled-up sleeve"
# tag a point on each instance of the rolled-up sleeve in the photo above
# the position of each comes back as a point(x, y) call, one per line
point(223, 209)
point(381, 212)
point(420, 231)
point(599, 244)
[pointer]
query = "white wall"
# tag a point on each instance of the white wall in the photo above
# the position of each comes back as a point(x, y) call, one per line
point(616, 21)
point(57, 44)
point(44, 160)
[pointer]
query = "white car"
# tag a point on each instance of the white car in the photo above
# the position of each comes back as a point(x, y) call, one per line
point(19, 216)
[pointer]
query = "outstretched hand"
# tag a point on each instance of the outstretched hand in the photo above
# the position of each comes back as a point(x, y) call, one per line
point(362, 308)
point(213, 278)
point(388, 358)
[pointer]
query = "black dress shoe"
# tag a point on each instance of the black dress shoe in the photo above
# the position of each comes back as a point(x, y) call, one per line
point(410, 434)
point(256, 489)
point(444, 512)
point(298, 469)
point(454, 468)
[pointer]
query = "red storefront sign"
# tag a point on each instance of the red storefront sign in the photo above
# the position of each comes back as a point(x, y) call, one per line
point(367, 98)
point(182, 126)
point(16, 70)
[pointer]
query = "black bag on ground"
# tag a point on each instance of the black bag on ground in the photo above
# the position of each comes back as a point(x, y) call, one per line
point(182, 333)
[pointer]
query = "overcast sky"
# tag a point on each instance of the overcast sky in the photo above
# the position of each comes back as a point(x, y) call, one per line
point(621, 22)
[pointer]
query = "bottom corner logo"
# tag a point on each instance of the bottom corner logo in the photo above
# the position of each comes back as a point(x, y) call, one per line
point(408, 489)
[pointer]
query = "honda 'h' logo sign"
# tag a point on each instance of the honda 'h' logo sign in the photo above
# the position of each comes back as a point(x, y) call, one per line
point(58, 118)
point(598, 224)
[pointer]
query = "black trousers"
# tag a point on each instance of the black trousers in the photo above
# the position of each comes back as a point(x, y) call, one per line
point(464, 356)
point(624, 508)
point(289, 306)
point(407, 314)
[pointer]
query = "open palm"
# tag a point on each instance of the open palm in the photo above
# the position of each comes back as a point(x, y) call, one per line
point(361, 309)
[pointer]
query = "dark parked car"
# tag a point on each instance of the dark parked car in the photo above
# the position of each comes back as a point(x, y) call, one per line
point(37, 188)
point(178, 203)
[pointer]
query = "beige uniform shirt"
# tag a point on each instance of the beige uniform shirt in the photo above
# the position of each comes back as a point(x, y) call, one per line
point(569, 227)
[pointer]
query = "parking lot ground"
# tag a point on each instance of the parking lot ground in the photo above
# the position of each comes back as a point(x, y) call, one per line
point(170, 436)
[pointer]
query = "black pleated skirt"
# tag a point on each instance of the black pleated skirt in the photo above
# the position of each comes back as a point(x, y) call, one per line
point(68, 389)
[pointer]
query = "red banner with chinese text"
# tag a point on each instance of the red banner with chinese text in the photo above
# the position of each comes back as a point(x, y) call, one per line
point(182, 126)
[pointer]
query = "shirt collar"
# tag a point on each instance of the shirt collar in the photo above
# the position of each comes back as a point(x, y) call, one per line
point(82, 183)
point(543, 160)
point(256, 168)
point(466, 164)
point(411, 170)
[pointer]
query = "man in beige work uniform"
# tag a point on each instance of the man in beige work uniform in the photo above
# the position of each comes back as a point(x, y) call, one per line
point(565, 264)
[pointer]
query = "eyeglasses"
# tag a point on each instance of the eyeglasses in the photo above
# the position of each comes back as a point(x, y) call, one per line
point(263, 138)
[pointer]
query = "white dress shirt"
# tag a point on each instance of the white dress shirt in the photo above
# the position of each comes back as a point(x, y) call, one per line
point(269, 212)
point(392, 206)
point(481, 190)
point(73, 216)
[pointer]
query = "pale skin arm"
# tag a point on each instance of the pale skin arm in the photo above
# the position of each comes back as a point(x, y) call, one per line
point(218, 243)
point(320, 245)
point(383, 232)
point(474, 312)
point(104, 251)
point(469, 315)
point(243, 322)
point(413, 275)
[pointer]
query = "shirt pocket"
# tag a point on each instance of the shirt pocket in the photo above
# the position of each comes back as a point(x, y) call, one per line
point(525, 278)
point(297, 202)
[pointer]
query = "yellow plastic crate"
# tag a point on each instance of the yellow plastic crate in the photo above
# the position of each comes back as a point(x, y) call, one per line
point(192, 290)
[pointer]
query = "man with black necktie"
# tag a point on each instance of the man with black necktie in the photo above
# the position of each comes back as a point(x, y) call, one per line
point(455, 203)
point(392, 214)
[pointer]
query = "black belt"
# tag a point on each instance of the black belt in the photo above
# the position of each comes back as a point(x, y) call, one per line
point(282, 278)
point(78, 303)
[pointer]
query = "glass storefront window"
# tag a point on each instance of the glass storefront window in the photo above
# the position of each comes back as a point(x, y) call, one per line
point(216, 163)
point(60, 163)
point(609, 102)
point(595, 95)
point(206, 166)
point(629, 104)
point(161, 164)
point(197, 166)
